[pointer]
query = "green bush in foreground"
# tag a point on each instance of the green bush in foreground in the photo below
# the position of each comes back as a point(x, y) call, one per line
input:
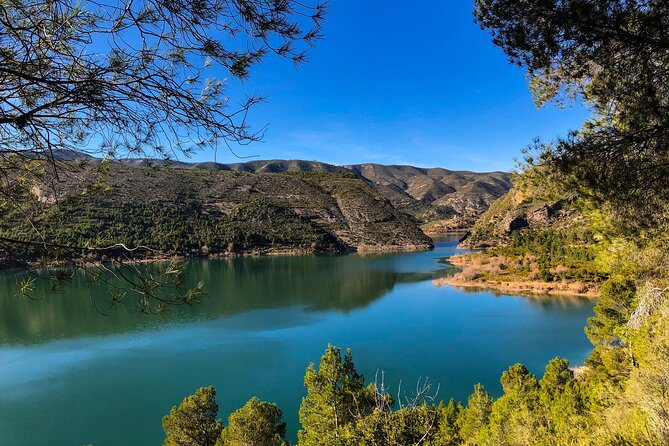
point(194, 423)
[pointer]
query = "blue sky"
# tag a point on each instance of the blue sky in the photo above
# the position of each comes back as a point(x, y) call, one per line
point(397, 82)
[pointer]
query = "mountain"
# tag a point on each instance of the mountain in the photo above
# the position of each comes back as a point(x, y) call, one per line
point(433, 194)
point(440, 199)
point(214, 210)
point(539, 238)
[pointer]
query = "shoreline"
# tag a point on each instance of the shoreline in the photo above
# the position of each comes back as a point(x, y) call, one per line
point(430, 232)
point(514, 286)
point(264, 252)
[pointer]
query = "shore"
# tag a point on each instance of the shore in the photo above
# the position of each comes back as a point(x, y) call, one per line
point(256, 252)
point(471, 276)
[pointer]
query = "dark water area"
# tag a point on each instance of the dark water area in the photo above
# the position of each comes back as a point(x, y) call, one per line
point(70, 375)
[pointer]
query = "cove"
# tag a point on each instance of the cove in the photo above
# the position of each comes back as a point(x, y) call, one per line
point(71, 376)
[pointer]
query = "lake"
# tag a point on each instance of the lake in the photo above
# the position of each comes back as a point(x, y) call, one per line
point(70, 375)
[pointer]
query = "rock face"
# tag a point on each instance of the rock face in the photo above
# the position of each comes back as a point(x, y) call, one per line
point(426, 194)
point(522, 207)
point(514, 223)
point(230, 210)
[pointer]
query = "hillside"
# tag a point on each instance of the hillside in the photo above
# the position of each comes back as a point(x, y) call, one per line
point(210, 211)
point(440, 199)
point(436, 194)
point(527, 206)
point(539, 240)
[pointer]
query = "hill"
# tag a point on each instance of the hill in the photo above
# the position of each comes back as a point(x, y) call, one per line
point(539, 240)
point(438, 198)
point(447, 199)
point(208, 211)
point(527, 207)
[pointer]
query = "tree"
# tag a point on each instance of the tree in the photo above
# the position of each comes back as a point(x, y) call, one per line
point(411, 420)
point(336, 397)
point(412, 425)
point(474, 418)
point(126, 78)
point(613, 309)
point(518, 381)
point(256, 424)
point(514, 418)
point(561, 403)
point(449, 432)
point(194, 422)
point(613, 55)
point(556, 378)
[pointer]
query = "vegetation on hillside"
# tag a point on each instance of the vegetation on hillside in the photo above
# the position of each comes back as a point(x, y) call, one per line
point(112, 211)
point(539, 238)
point(164, 228)
point(441, 200)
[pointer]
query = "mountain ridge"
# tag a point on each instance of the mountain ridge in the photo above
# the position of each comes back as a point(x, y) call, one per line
point(438, 198)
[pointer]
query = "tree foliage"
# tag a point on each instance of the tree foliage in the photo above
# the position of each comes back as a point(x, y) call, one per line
point(193, 422)
point(613, 55)
point(126, 78)
point(256, 424)
point(340, 409)
point(612, 311)
point(336, 394)
point(474, 420)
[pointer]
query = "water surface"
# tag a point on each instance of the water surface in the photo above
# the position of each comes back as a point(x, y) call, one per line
point(71, 376)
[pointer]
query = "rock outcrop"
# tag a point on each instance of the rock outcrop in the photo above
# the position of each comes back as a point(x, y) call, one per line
point(522, 207)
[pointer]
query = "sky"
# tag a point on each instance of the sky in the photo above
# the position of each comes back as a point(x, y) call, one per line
point(396, 82)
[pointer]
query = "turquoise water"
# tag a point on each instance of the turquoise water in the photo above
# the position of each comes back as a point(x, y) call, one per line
point(71, 376)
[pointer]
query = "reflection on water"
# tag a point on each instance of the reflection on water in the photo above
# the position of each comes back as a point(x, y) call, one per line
point(233, 286)
point(545, 299)
point(71, 376)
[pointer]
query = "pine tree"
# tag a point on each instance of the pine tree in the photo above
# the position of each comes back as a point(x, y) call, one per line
point(474, 419)
point(194, 422)
point(256, 424)
point(336, 396)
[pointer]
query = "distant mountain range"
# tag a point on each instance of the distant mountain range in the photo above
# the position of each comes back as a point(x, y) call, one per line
point(428, 194)
point(257, 206)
